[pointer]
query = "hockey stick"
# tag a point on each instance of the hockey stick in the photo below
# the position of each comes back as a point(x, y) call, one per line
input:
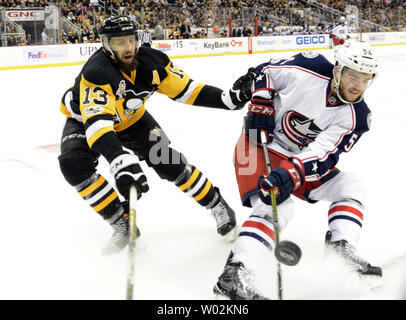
point(286, 252)
point(131, 244)
point(264, 143)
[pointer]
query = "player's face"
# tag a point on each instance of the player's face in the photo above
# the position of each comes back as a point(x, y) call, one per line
point(353, 84)
point(124, 48)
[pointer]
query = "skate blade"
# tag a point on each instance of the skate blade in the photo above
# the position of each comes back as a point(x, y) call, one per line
point(231, 235)
point(112, 251)
point(222, 297)
point(371, 282)
point(218, 295)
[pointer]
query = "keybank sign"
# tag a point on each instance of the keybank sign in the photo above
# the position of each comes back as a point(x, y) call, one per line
point(316, 39)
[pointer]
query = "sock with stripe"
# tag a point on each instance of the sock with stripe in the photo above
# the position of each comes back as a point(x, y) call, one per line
point(194, 183)
point(101, 196)
point(345, 221)
point(255, 242)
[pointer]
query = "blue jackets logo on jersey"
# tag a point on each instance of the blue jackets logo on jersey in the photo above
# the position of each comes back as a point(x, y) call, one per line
point(299, 129)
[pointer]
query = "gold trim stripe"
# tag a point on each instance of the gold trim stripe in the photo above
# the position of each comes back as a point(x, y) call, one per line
point(195, 93)
point(202, 194)
point(130, 121)
point(85, 192)
point(191, 180)
point(105, 202)
point(98, 134)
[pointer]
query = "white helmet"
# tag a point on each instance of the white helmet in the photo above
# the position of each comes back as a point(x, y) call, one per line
point(357, 56)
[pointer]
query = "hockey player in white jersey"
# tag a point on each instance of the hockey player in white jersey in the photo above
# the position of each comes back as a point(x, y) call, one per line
point(311, 111)
point(339, 33)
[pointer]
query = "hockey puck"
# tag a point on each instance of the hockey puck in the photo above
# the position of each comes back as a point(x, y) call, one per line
point(288, 253)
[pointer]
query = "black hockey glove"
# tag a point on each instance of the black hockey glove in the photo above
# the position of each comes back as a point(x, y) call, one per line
point(127, 172)
point(285, 179)
point(260, 116)
point(240, 93)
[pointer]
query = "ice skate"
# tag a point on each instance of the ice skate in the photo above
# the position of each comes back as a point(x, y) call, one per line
point(225, 219)
point(120, 237)
point(351, 257)
point(236, 283)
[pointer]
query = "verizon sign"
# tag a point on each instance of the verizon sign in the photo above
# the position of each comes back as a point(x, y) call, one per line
point(25, 15)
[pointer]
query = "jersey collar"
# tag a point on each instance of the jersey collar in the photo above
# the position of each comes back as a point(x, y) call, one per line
point(331, 99)
point(133, 75)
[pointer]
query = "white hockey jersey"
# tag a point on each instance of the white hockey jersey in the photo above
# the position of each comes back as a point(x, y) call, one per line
point(310, 123)
point(340, 31)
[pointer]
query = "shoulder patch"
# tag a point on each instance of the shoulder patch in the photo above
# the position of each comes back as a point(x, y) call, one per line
point(275, 61)
point(310, 54)
point(121, 89)
point(369, 118)
point(93, 110)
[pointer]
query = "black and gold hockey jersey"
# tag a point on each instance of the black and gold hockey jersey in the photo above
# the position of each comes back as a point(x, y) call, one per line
point(107, 100)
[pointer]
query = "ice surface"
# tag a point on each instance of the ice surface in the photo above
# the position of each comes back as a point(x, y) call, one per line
point(51, 240)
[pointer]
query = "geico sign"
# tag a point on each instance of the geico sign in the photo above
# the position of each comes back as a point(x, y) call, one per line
point(310, 39)
point(25, 15)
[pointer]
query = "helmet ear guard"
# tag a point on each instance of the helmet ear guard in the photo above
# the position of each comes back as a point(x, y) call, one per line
point(357, 56)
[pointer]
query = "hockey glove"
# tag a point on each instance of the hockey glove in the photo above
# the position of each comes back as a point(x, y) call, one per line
point(285, 179)
point(260, 116)
point(127, 172)
point(240, 93)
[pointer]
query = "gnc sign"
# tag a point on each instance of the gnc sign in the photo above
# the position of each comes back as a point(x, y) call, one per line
point(25, 15)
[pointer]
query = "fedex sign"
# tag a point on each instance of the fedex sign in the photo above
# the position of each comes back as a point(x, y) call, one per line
point(44, 54)
point(25, 15)
point(37, 55)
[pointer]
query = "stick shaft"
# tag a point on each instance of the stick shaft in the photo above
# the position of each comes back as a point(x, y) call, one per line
point(274, 211)
point(272, 193)
point(131, 244)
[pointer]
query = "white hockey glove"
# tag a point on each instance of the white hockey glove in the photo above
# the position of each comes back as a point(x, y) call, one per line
point(127, 172)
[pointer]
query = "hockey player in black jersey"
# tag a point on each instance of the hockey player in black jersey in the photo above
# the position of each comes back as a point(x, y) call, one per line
point(106, 116)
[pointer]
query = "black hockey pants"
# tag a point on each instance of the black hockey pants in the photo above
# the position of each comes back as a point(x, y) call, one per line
point(145, 138)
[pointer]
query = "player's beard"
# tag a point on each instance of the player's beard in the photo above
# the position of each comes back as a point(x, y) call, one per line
point(355, 97)
point(128, 67)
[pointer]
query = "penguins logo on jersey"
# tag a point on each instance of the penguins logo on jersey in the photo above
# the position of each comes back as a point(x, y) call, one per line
point(133, 100)
point(299, 129)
